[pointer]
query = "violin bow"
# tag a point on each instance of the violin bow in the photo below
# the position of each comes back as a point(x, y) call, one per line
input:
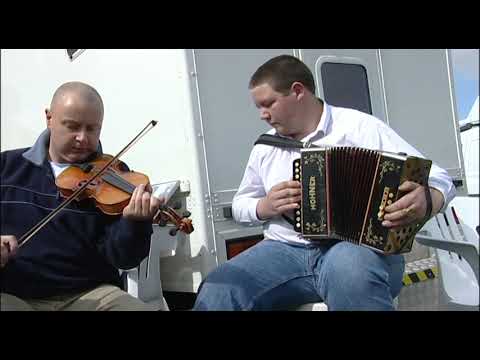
point(29, 234)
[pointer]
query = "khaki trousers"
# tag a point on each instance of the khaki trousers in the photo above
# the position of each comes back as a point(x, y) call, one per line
point(102, 298)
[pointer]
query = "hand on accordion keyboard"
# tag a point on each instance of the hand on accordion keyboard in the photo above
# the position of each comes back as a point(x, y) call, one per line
point(282, 198)
point(410, 208)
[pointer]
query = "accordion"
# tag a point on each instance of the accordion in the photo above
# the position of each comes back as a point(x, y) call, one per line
point(345, 191)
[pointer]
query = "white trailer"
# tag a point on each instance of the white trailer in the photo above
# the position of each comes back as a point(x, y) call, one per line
point(207, 122)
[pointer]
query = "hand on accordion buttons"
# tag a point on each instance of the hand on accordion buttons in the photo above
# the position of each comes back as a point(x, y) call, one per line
point(282, 198)
point(409, 209)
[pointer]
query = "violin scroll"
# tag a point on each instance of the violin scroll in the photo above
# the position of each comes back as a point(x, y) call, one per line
point(166, 215)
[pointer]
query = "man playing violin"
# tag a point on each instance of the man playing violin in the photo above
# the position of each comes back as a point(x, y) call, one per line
point(73, 262)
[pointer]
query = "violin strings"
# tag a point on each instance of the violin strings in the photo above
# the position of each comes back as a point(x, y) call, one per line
point(112, 178)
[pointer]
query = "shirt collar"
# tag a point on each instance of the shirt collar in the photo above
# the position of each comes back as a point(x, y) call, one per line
point(325, 119)
point(37, 154)
point(323, 124)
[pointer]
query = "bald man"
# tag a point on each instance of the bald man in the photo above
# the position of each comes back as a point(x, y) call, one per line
point(73, 262)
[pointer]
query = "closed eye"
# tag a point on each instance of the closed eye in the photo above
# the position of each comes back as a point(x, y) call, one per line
point(71, 125)
point(267, 104)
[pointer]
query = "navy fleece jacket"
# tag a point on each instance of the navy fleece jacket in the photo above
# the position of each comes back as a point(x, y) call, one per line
point(79, 249)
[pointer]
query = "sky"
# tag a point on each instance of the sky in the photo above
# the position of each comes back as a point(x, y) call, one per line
point(465, 74)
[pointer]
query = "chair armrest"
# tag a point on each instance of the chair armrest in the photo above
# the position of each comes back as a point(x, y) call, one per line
point(467, 250)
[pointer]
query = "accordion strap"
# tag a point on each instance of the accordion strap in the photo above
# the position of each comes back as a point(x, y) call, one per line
point(288, 219)
point(274, 140)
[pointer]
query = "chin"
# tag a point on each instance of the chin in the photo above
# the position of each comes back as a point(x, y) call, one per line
point(284, 132)
point(77, 158)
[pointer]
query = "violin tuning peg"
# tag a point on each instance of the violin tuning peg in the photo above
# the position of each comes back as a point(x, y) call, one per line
point(173, 232)
point(187, 214)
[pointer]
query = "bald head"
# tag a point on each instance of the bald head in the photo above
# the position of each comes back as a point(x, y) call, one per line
point(79, 92)
point(75, 121)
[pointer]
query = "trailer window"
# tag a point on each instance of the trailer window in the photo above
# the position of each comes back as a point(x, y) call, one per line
point(346, 85)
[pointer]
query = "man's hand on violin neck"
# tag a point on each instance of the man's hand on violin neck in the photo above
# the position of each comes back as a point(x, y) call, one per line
point(142, 206)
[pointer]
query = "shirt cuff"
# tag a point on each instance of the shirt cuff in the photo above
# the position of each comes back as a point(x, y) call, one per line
point(445, 193)
point(252, 211)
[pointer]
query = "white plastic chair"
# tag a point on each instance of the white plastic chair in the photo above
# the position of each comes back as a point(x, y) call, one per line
point(456, 249)
point(144, 281)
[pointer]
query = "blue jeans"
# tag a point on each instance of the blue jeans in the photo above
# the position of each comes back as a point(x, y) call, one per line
point(277, 276)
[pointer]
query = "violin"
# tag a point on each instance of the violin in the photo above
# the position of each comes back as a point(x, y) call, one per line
point(105, 181)
point(167, 214)
point(112, 190)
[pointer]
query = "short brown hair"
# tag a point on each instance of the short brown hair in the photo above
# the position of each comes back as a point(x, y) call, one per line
point(281, 72)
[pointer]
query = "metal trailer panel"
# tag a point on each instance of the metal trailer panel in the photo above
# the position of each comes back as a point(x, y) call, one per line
point(230, 121)
point(226, 124)
point(421, 104)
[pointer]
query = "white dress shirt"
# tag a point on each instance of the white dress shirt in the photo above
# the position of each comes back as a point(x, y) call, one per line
point(58, 168)
point(269, 165)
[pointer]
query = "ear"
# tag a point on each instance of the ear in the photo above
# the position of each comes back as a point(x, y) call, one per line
point(298, 89)
point(48, 117)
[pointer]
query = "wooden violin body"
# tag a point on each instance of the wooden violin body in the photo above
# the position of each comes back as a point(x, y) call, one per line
point(113, 189)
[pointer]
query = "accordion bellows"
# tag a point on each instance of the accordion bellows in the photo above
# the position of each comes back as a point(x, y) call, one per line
point(345, 191)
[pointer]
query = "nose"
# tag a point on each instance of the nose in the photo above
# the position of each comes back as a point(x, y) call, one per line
point(264, 114)
point(81, 136)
